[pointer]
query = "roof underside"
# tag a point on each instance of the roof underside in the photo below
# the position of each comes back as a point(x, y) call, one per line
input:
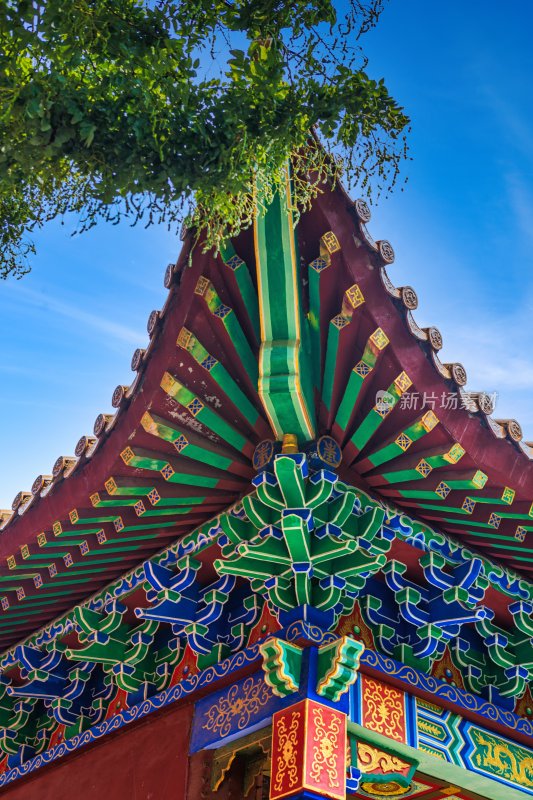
point(180, 447)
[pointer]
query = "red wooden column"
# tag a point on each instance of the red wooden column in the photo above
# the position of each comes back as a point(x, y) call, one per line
point(308, 752)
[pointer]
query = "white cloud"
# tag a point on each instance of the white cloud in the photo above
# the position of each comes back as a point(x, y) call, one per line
point(36, 300)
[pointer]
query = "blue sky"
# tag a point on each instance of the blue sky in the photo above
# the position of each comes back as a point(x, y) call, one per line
point(462, 230)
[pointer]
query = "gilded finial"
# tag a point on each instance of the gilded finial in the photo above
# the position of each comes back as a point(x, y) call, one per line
point(289, 444)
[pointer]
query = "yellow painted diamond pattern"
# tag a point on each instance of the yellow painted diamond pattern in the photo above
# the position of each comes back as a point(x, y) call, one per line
point(508, 495)
point(184, 338)
point(403, 382)
point(424, 468)
point(355, 296)
point(480, 479)
point(403, 441)
point(111, 486)
point(379, 338)
point(455, 453)
point(194, 407)
point(362, 369)
point(181, 443)
point(340, 321)
point(167, 472)
point(127, 455)
point(201, 286)
point(319, 264)
point(330, 242)
point(468, 505)
point(429, 420)
point(520, 533)
point(154, 497)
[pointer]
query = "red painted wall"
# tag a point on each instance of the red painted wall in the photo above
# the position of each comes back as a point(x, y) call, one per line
point(145, 761)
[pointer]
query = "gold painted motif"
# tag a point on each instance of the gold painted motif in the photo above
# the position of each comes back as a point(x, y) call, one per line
point(327, 742)
point(263, 453)
point(384, 709)
point(139, 508)
point(201, 286)
point(329, 451)
point(389, 789)
point(181, 443)
point(379, 338)
point(520, 533)
point(340, 321)
point(480, 479)
point(148, 423)
point(430, 728)
point(184, 337)
point(469, 505)
point(403, 382)
point(370, 759)
point(354, 296)
point(320, 263)
point(509, 761)
point(289, 443)
point(195, 406)
point(111, 486)
point(238, 703)
point(362, 369)
point(432, 751)
point(167, 472)
point(455, 453)
point(426, 704)
point(403, 441)
point(429, 420)
point(329, 242)
point(127, 455)
point(423, 467)
point(508, 495)
point(287, 757)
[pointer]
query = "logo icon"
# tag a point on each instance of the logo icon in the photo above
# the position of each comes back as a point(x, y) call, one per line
point(384, 401)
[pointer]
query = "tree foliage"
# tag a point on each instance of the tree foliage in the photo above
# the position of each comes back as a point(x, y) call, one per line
point(130, 109)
